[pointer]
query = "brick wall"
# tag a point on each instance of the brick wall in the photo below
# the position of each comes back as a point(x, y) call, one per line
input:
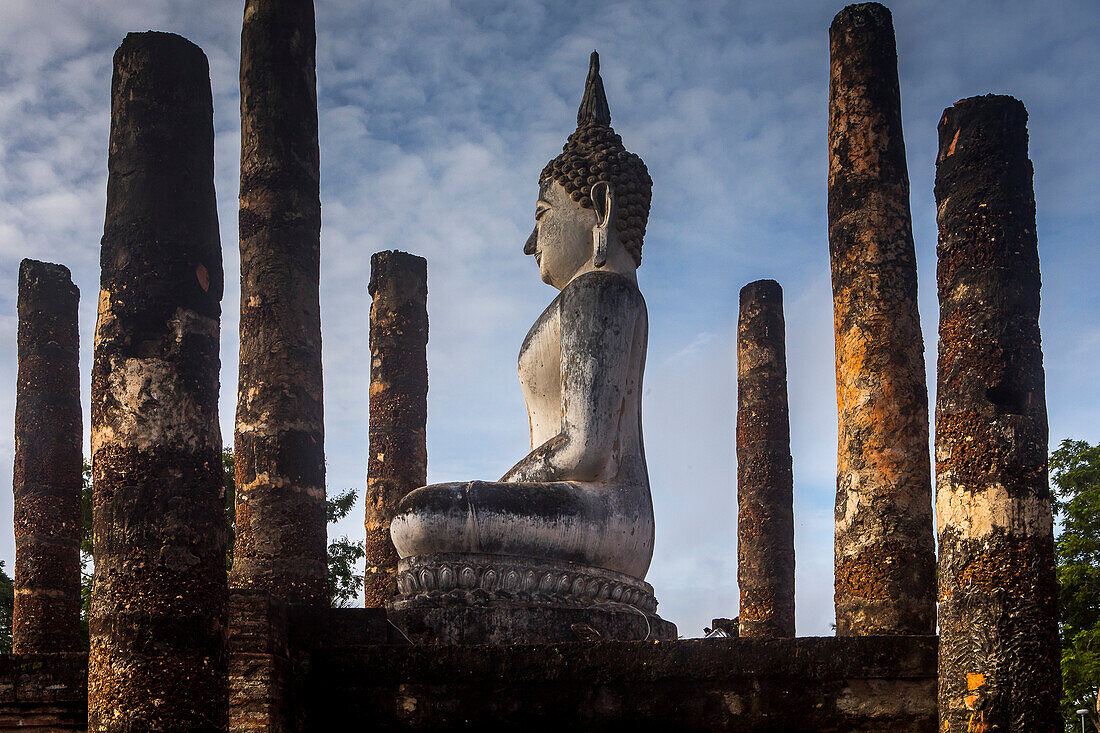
point(359, 673)
point(44, 692)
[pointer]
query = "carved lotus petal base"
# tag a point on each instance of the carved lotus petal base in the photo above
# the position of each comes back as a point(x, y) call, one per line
point(466, 598)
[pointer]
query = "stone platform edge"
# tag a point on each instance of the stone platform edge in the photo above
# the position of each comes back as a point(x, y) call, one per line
point(866, 684)
point(348, 678)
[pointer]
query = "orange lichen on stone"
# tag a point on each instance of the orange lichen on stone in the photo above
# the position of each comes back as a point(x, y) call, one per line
point(765, 520)
point(998, 655)
point(885, 563)
point(951, 148)
point(397, 455)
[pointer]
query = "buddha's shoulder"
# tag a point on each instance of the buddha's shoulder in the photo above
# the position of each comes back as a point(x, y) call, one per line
point(605, 289)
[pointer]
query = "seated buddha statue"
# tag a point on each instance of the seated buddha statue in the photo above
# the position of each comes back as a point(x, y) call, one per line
point(577, 508)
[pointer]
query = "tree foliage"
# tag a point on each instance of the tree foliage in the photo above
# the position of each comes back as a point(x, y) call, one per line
point(1075, 475)
point(344, 555)
point(7, 607)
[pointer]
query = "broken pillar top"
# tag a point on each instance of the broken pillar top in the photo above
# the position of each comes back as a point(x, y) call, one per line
point(165, 60)
point(36, 274)
point(977, 129)
point(862, 39)
point(985, 117)
point(986, 108)
point(862, 14)
point(387, 262)
point(158, 42)
point(29, 268)
point(761, 290)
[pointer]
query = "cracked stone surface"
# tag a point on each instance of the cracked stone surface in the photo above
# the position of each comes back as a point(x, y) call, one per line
point(48, 463)
point(159, 516)
point(398, 460)
point(281, 538)
point(765, 484)
point(884, 550)
point(999, 653)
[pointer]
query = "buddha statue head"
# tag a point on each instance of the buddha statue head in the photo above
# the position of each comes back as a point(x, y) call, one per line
point(593, 198)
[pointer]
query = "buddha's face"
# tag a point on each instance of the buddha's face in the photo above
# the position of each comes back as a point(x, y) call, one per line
point(562, 240)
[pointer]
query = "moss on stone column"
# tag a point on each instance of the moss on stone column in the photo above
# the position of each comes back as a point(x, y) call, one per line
point(398, 407)
point(158, 610)
point(281, 538)
point(48, 462)
point(884, 550)
point(765, 493)
point(999, 651)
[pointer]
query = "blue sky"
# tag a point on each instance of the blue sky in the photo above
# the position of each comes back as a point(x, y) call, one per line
point(436, 119)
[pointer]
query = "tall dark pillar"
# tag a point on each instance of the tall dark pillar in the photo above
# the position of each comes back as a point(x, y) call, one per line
point(884, 547)
point(398, 461)
point(765, 485)
point(999, 652)
point(281, 540)
point(158, 611)
point(48, 462)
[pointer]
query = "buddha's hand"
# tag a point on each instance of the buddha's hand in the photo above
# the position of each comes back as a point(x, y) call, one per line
point(538, 465)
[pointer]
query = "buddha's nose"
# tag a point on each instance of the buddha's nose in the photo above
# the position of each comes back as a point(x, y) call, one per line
point(532, 242)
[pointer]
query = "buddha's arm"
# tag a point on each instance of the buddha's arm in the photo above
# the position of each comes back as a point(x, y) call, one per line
point(598, 316)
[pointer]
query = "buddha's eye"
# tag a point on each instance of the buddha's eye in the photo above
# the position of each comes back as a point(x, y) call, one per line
point(541, 209)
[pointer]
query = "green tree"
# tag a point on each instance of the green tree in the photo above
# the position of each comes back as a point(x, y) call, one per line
point(7, 608)
point(85, 551)
point(229, 481)
point(1075, 476)
point(344, 555)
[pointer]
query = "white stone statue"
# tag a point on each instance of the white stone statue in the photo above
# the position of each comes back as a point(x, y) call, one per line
point(581, 497)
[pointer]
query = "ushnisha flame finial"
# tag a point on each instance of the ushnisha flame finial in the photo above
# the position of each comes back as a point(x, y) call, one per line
point(594, 152)
point(594, 109)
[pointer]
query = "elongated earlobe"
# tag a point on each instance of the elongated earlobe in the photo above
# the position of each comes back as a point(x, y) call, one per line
point(599, 245)
point(604, 204)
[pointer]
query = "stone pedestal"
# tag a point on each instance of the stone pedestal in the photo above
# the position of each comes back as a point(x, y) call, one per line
point(473, 598)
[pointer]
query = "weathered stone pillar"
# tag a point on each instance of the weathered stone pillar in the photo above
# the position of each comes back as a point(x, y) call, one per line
point(48, 462)
point(765, 485)
point(999, 652)
point(158, 612)
point(281, 539)
point(398, 461)
point(884, 552)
